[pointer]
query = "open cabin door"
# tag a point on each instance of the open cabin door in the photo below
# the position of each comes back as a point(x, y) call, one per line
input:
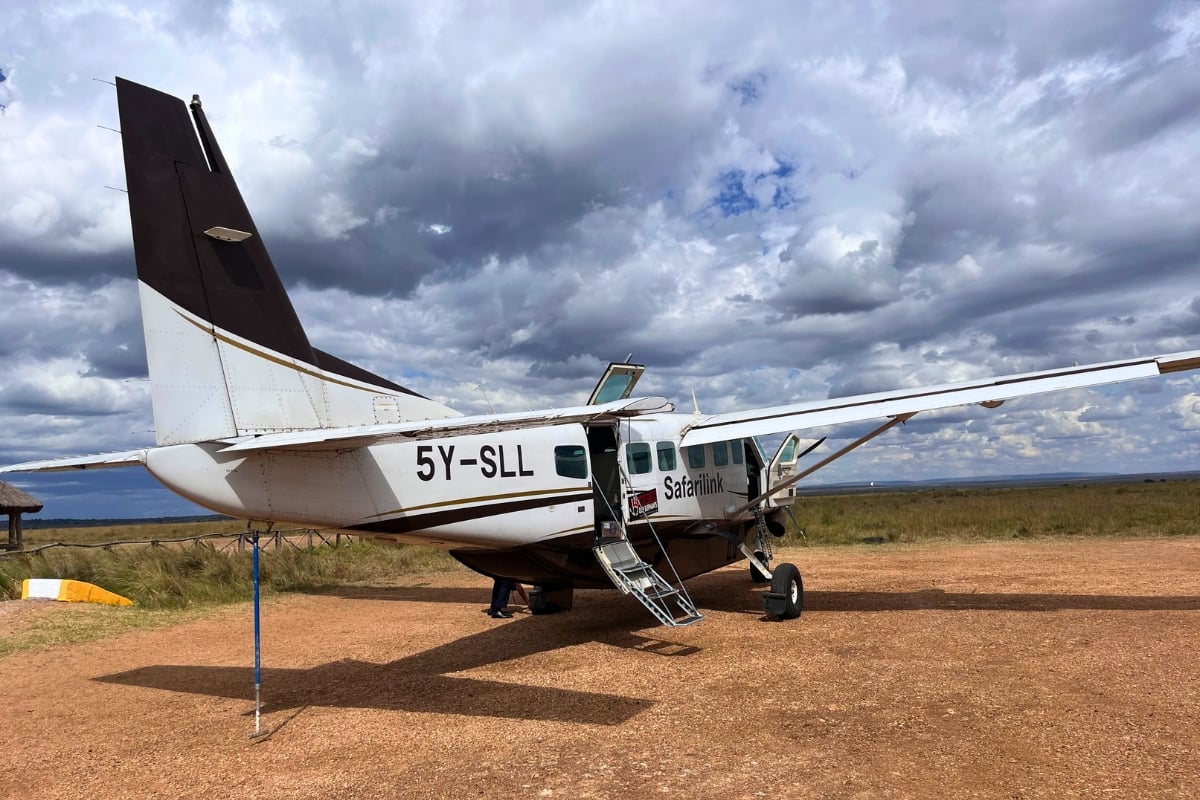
point(616, 383)
point(782, 467)
point(606, 472)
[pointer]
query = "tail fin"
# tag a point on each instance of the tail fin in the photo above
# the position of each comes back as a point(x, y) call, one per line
point(226, 352)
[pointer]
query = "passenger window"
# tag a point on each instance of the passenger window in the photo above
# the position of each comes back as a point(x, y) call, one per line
point(666, 456)
point(637, 456)
point(736, 450)
point(570, 461)
point(696, 456)
point(720, 454)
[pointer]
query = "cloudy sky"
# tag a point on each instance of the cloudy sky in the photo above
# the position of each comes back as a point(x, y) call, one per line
point(762, 202)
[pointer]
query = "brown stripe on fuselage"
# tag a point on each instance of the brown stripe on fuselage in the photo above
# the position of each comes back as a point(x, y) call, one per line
point(458, 501)
point(435, 519)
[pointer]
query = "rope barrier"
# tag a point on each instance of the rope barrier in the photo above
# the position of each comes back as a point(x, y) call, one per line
point(239, 539)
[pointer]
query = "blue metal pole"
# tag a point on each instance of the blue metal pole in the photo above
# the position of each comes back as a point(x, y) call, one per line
point(257, 648)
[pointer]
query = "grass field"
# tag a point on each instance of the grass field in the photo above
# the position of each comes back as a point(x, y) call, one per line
point(1131, 510)
point(176, 583)
point(173, 583)
point(184, 576)
point(188, 576)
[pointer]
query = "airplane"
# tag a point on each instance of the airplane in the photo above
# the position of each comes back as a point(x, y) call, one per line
point(254, 422)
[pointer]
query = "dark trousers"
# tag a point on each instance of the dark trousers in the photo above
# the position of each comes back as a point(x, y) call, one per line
point(501, 589)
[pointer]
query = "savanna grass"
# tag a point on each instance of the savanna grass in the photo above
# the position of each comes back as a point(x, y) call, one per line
point(1098, 510)
point(186, 576)
point(176, 583)
point(114, 533)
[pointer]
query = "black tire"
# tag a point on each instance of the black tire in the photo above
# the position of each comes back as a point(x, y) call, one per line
point(786, 581)
point(549, 599)
point(755, 574)
point(538, 604)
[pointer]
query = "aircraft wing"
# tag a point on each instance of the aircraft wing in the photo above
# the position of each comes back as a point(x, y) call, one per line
point(129, 458)
point(989, 392)
point(361, 436)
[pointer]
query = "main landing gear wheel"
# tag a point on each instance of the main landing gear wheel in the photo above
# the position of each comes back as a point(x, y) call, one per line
point(786, 598)
point(756, 575)
point(550, 599)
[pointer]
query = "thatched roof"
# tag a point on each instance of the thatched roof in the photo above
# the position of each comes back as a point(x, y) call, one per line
point(13, 499)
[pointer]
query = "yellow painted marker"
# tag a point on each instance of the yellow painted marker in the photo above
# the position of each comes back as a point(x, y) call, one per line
point(69, 591)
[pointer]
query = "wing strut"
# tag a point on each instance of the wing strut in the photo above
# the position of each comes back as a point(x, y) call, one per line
point(884, 428)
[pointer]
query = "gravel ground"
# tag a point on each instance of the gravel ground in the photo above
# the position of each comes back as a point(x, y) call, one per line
point(1016, 670)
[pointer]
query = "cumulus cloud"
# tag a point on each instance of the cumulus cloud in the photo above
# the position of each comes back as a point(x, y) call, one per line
point(1187, 412)
point(868, 196)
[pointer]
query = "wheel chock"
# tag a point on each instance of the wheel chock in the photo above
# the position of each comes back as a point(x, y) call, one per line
point(774, 604)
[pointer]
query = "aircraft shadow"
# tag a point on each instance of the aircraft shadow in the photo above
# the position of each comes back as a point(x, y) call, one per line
point(423, 682)
point(732, 592)
point(938, 599)
point(424, 593)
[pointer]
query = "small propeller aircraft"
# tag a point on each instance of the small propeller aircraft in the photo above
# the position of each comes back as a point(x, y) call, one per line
point(254, 422)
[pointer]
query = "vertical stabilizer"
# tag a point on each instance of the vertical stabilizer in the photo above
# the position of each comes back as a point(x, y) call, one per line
point(227, 354)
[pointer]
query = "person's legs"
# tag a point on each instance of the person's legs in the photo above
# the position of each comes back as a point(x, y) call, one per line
point(501, 589)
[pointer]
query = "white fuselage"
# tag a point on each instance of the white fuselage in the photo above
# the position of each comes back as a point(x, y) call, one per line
point(495, 490)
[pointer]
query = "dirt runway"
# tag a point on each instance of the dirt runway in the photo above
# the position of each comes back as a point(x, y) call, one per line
point(1012, 670)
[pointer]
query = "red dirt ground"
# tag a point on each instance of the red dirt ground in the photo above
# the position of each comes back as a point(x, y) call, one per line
point(1013, 670)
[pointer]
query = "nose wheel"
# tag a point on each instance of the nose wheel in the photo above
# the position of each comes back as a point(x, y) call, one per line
point(786, 598)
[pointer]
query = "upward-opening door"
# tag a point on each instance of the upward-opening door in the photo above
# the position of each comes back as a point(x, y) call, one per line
point(616, 383)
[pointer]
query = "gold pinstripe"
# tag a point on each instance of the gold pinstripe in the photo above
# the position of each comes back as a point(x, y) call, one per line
point(480, 499)
point(281, 362)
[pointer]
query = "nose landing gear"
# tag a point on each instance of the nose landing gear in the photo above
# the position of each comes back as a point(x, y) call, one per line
point(786, 598)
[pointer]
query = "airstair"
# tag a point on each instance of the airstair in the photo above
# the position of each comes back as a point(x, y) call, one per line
point(631, 575)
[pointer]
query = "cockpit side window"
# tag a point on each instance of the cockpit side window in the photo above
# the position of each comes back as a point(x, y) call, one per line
point(570, 461)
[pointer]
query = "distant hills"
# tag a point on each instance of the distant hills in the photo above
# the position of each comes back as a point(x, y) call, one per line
point(35, 523)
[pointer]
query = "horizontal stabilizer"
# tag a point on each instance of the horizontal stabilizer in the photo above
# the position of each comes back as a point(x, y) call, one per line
point(129, 458)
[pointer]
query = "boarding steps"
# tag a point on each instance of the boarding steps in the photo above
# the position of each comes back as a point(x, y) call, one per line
point(631, 575)
point(762, 536)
